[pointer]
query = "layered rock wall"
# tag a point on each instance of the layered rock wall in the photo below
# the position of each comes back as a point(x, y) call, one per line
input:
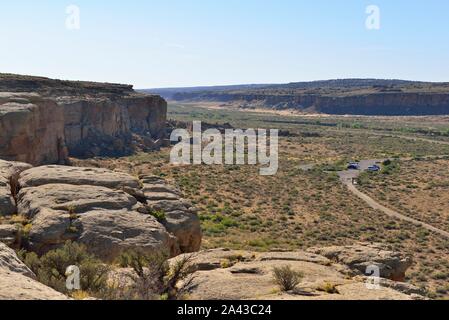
point(44, 120)
point(391, 103)
point(31, 128)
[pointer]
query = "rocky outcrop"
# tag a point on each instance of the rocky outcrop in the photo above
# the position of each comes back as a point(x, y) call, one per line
point(108, 211)
point(392, 265)
point(44, 120)
point(180, 216)
point(225, 274)
point(17, 282)
point(106, 220)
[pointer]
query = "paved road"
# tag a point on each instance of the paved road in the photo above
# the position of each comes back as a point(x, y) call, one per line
point(347, 176)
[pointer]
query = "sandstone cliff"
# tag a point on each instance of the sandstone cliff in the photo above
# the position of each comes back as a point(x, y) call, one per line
point(43, 120)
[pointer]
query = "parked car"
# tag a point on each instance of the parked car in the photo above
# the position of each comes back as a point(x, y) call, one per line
point(353, 166)
point(374, 168)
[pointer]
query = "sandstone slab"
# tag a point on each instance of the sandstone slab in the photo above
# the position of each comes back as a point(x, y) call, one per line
point(392, 265)
point(250, 277)
point(17, 282)
point(54, 174)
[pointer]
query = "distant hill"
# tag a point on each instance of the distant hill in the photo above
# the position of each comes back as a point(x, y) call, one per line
point(169, 93)
point(339, 96)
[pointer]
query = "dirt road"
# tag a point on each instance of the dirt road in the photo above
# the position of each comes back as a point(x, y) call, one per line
point(347, 176)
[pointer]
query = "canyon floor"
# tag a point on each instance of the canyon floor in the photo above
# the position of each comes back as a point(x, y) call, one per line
point(299, 208)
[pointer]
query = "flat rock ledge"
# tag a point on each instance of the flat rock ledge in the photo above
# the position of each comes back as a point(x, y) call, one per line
point(228, 274)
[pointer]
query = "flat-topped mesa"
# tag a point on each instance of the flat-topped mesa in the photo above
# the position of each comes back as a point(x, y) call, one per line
point(42, 121)
point(53, 87)
point(346, 96)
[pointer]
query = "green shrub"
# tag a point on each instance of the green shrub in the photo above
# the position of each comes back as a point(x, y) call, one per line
point(159, 215)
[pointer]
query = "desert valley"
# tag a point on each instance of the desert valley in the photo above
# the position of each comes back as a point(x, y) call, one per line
point(358, 208)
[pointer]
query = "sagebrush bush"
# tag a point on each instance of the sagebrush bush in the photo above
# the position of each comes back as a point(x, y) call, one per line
point(50, 269)
point(286, 278)
point(153, 277)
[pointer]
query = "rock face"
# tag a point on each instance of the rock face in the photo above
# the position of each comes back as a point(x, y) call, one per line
point(17, 281)
point(9, 173)
point(9, 234)
point(45, 120)
point(100, 208)
point(224, 274)
point(31, 127)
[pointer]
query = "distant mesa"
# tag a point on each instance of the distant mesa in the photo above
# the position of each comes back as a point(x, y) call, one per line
point(341, 96)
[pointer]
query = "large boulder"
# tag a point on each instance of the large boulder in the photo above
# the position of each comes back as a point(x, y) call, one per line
point(17, 281)
point(180, 217)
point(392, 265)
point(108, 221)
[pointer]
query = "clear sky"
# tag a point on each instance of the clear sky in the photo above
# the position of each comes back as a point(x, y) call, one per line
point(166, 43)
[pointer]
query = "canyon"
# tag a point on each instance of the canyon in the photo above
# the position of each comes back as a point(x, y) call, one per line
point(48, 198)
point(339, 97)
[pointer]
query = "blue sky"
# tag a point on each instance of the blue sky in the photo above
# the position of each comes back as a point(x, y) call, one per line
point(166, 43)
